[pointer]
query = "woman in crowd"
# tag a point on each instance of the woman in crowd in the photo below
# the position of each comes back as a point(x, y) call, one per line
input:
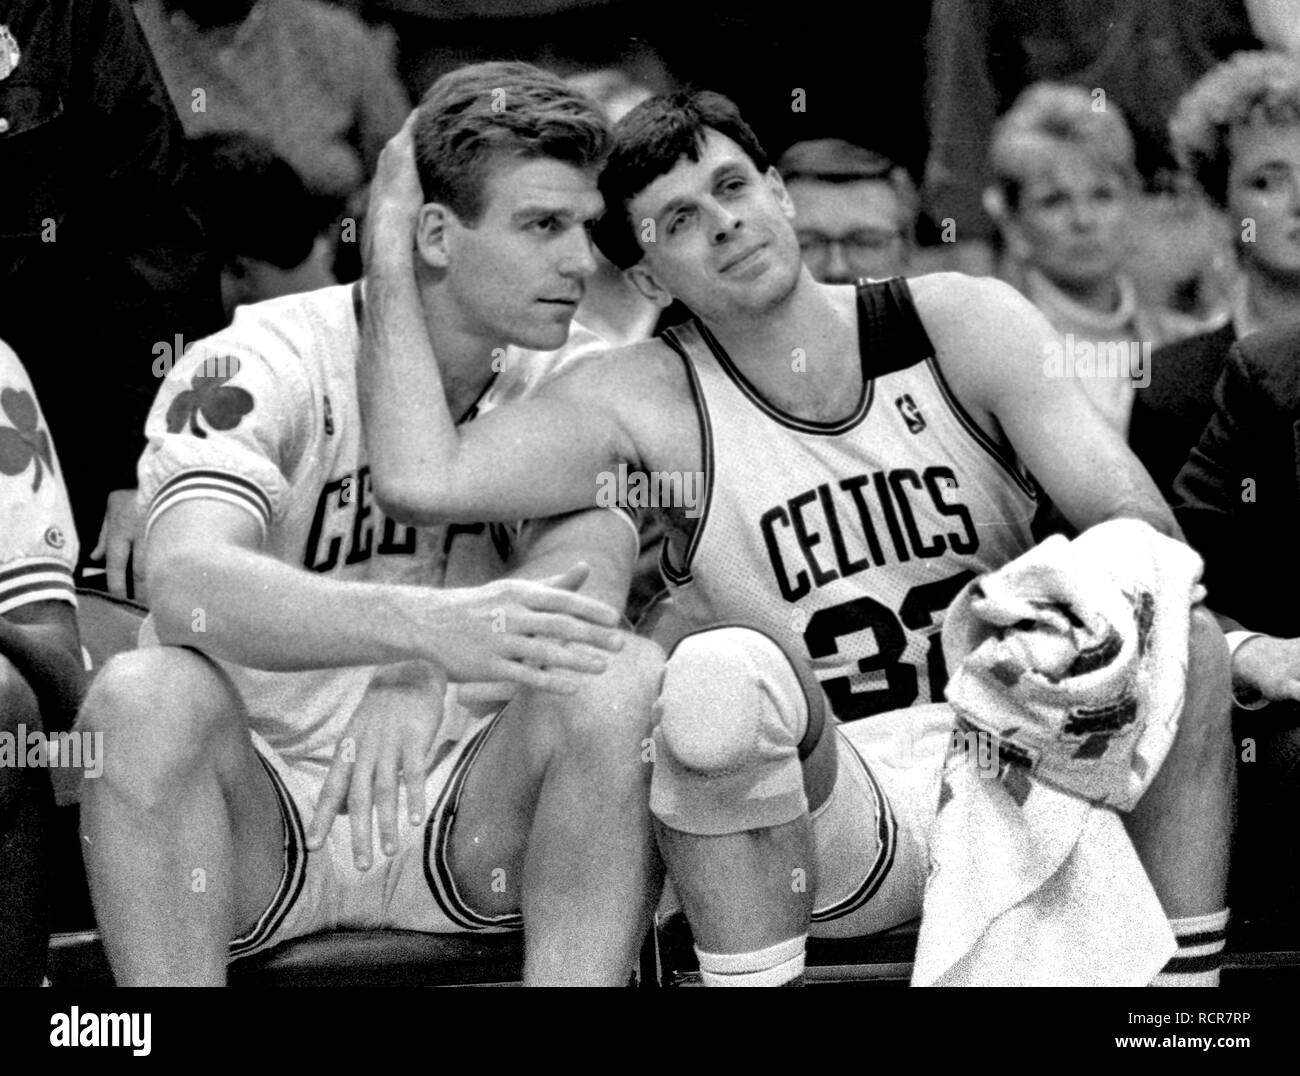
point(1238, 133)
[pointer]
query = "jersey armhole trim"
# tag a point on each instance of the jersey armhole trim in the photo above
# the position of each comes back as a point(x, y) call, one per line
point(976, 432)
point(679, 575)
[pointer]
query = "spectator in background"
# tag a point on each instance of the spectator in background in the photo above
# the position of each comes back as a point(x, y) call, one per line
point(40, 663)
point(1065, 178)
point(271, 236)
point(855, 211)
point(982, 54)
point(1237, 499)
point(309, 78)
point(1238, 133)
point(101, 263)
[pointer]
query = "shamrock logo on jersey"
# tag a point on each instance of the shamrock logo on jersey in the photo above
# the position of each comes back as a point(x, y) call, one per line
point(221, 405)
point(23, 443)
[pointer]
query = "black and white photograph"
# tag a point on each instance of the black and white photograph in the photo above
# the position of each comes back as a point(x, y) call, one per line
point(651, 495)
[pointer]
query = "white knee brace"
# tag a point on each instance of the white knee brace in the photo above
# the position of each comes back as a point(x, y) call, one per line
point(732, 716)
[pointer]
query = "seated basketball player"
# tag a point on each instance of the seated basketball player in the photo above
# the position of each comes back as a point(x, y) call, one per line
point(283, 759)
point(40, 662)
point(864, 452)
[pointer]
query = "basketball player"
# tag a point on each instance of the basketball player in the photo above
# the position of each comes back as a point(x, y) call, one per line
point(300, 653)
point(40, 662)
point(864, 453)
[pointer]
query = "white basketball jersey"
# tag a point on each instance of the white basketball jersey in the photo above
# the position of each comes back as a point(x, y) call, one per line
point(845, 541)
point(264, 416)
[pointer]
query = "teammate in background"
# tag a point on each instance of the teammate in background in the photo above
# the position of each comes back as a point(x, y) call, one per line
point(302, 650)
point(865, 452)
point(40, 660)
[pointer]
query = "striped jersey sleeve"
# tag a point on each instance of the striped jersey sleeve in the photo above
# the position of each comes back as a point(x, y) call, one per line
point(223, 428)
point(38, 544)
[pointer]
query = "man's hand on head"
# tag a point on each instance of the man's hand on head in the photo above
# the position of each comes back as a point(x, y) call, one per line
point(395, 200)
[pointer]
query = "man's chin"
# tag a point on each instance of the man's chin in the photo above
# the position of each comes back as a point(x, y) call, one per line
point(544, 337)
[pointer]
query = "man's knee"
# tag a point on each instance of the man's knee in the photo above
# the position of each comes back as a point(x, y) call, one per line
point(612, 710)
point(160, 710)
point(18, 703)
point(733, 715)
point(20, 715)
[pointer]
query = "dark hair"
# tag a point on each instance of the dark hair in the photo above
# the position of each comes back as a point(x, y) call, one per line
point(474, 113)
point(648, 143)
point(251, 202)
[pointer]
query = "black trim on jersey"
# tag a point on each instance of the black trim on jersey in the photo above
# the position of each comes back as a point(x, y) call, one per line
point(887, 836)
point(680, 576)
point(358, 304)
point(292, 879)
point(437, 846)
point(977, 433)
point(891, 335)
point(801, 425)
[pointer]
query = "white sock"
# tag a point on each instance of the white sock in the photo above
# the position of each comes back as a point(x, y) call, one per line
point(1200, 951)
point(774, 966)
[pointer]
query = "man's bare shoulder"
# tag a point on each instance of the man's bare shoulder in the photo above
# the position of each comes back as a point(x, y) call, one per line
point(983, 330)
point(642, 373)
point(949, 299)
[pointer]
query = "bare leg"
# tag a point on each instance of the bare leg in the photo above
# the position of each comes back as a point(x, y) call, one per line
point(746, 891)
point(1182, 828)
point(558, 800)
point(26, 803)
point(181, 833)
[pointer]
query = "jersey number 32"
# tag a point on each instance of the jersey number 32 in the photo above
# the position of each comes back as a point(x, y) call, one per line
point(827, 626)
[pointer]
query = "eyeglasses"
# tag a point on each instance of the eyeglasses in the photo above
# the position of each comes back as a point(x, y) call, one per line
point(855, 246)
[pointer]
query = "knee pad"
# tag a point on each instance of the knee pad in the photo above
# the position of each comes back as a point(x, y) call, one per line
point(732, 717)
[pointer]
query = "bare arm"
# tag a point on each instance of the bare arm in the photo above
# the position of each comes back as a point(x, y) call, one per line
point(213, 588)
point(993, 347)
point(531, 459)
point(604, 539)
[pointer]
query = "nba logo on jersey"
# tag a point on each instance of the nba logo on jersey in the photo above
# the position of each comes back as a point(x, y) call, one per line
point(910, 412)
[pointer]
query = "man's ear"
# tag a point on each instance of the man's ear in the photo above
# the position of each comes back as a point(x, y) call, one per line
point(433, 226)
point(644, 281)
point(773, 179)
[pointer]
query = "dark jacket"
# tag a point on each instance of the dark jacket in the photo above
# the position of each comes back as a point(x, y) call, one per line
point(1238, 496)
point(1170, 413)
point(100, 261)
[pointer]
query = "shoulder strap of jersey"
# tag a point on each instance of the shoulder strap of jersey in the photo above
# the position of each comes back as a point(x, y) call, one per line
point(890, 334)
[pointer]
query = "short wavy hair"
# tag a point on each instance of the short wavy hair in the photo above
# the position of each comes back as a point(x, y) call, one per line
point(835, 160)
point(648, 143)
point(1052, 113)
point(475, 114)
point(1247, 88)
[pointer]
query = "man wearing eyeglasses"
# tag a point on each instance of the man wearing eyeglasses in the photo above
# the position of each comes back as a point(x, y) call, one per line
point(855, 211)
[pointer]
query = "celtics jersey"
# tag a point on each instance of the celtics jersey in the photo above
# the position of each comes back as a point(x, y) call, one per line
point(264, 416)
point(845, 541)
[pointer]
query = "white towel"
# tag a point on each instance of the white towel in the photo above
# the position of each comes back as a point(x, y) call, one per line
point(1070, 664)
